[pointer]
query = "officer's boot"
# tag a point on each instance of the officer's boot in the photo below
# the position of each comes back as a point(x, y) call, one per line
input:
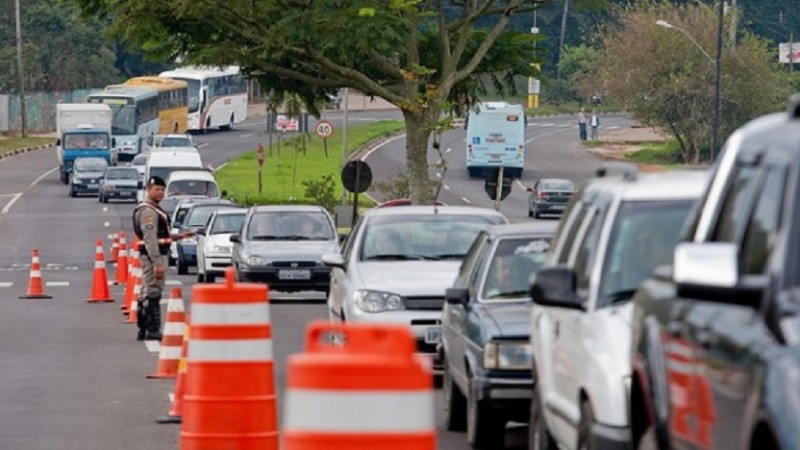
point(141, 319)
point(153, 316)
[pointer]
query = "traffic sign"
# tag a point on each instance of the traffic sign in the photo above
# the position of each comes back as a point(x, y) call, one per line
point(490, 184)
point(324, 129)
point(356, 176)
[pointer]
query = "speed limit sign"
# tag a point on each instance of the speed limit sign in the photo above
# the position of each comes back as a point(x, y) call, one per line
point(324, 129)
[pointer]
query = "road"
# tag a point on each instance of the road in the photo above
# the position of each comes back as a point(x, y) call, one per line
point(73, 376)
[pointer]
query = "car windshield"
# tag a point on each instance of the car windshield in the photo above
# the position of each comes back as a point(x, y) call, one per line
point(193, 187)
point(291, 226)
point(180, 214)
point(419, 236)
point(557, 186)
point(99, 165)
point(122, 174)
point(176, 142)
point(137, 161)
point(198, 217)
point(643, 237)
point(227, 223)
point(511, 266)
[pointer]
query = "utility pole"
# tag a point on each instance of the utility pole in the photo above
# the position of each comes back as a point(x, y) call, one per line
point(344, 140)
point(20, 69)
point(734, 23)
point(561, 39)
point(717, 84)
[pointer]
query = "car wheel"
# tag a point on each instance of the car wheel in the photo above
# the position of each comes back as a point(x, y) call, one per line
point(539, 437)
point(182, 268)
point(454, 405)
point(201, 278)
point(486, 428)
point(585, 427)
point(72, 193)
point(211, 278)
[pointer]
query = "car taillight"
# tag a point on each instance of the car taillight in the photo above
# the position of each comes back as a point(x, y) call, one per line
point(542, 194)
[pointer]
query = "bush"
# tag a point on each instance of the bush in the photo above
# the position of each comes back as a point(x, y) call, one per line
point(322, 191)
point(556, 92)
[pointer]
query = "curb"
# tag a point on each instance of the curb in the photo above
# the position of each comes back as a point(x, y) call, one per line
point(20, 151)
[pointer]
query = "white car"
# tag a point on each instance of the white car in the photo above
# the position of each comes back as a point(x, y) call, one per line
point(139, 162)
point(616, 231)
point(214, 246)
point(168, 140)
point(397, 264)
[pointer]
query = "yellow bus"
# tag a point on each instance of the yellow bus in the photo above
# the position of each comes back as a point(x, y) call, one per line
point(173, 108)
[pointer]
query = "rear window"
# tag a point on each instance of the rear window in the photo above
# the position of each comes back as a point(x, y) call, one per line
point(558, 186)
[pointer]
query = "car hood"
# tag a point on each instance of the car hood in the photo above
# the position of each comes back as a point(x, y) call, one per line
point(294, 250)
point(409, 278)
point(220, 240)
point(511, 319)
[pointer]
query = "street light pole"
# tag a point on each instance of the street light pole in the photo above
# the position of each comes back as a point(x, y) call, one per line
point(20, 70)
point(717, 84)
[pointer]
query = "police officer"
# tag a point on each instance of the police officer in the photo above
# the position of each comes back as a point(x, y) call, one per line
point(152, 228)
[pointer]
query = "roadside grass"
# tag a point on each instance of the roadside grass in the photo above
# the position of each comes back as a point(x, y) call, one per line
point(289, 166)
point(14, 143)
point(666, 154)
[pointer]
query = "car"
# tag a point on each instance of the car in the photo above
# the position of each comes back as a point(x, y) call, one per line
point(549, 196)
point(404, 202)
point(618, 228)
point(176, 219)
point(120, 183)
point(86, 176)
point(282, 245)
point(196, 218)
point(139, 162)
point(168, 140)
point(715, 348)
point(188, 184)
point(397, 264)
point(485, 342)
point(214, 246)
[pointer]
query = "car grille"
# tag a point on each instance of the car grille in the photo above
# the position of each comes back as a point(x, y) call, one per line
point(294, 264)
point(424, 303)
point(557, 197)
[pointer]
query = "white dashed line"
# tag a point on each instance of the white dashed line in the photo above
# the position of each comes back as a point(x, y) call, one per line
point(248, 135)
point(11, 202)
point(448, 150)
point(171, 397)
point(5, 284)
point(466, 200)
point(438, 175)
point(173, 283)
point(519, 183)
point(446, 187)
point(153, 346)
point(56, 283)
point(202, 145)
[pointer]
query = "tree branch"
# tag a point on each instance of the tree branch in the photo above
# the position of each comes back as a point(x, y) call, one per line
point(383, 63)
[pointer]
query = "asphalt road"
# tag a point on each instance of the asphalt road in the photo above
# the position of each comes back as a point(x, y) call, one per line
point(72, 375)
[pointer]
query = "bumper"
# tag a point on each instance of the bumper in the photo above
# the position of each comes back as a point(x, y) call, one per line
point(289, 280)
point(606, 437)
point(120, 193)
point(82, 188)
point(187, 254)
point(216, 265)
point(551, 208)
point(508, 393)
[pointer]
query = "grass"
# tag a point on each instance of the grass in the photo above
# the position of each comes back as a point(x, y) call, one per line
point(666, 153)
point(14, 143)
point(286, 169)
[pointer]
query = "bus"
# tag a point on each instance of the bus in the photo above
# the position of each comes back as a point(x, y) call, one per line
point(496, 137)
point(134, 117)
point(217, 96)
point(173, 110)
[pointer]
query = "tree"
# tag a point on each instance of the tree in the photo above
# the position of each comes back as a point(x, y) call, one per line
point(676, 93)
point(422, 56)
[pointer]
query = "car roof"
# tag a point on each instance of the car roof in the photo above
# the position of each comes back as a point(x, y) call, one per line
point(556, 180)
point(173, 150)
point(286, 208)
point(234, 210)
point(122, 168)
point(173, 135)
point(203, 175)
point(431, 209)
point(210, 202)
point(667, 185)
point(536, 228)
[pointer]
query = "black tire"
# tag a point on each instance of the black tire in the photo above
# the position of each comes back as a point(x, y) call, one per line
point(538, 435)
point(486, 428)
point(72, 193)
point(454, 411)
point(585, 427)
point(183, 269)
point(211, 278)
point(201, 278)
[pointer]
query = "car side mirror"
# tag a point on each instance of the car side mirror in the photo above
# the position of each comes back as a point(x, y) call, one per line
point(710, 271)
point(201, 231)
point(236, 239)
point(333, 260)
point(556, 286)
point(456, 296)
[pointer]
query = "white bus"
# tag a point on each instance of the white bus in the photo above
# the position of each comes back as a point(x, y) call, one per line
point(496, 137)
point(217, 96)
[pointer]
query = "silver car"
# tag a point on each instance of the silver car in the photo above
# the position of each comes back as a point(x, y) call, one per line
point(397, 264)
point(120, 183)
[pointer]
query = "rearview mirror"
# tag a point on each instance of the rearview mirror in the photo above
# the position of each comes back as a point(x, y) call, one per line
point(236, 239)
point(556, 286)
point(456, 296)
point(201, 231)
point(333, 260)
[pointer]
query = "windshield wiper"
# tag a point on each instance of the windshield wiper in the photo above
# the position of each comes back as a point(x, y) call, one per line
point(449, 256)
point(509, 294)
point(621, 296)
point(265, 238)
point(389, 257)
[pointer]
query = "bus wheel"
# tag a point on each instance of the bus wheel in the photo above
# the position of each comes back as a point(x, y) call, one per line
point(229, 126)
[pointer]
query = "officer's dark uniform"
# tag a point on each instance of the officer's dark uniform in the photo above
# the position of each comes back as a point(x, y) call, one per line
point(152, 228)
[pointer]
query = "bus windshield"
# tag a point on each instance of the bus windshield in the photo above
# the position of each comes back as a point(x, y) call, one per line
point(123, 120)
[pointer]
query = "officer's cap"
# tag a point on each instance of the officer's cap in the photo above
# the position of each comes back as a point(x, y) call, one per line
point(156, 181)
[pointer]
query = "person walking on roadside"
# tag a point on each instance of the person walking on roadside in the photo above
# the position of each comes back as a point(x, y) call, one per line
point(582, 125)
point(152, 228)
point(594, 122)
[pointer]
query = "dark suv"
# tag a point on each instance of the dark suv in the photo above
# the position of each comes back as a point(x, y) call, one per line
point(716, 336)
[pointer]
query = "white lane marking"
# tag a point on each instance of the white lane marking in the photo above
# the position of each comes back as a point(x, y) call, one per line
point(106, 224)
point(171, 397)
point(11, 202)
point(173, 283)
point(41, 177)
point(466, 199)
point(153, 346)
point(202, 145)
point(105, 208)
point(5, 284)
point(438, 175)
point(446, 187)
point(519, 183)
point(448, 150)
point(248, 135)
point(56, 283)
point(528, 141)
point(221, 166)
point(401, 136)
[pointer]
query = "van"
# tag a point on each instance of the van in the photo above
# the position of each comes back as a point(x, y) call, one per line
point(164, 162)
point(189, 184)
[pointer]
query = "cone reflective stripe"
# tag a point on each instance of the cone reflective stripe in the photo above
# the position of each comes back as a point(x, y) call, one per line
point(134, 274)
point(135, 294)
point(175, 413)
point(114, 249)
point(35, 285)
point(172, 338)
point(374, 375)
point(100, 293)
point(121, 273)
point(229, 400)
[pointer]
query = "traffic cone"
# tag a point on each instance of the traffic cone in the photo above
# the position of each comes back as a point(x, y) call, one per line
point(134, 270)
point(100, 292)
point(121, 273)
point(134, 306)
point(172, 340)
point(176, 412)
point(114, 248)
point(35, 286)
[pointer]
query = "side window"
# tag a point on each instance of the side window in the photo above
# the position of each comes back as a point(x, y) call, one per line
point(736, 205)
point(764, 222)
point(349, 243)
point(471, 259)
point(586, 250)
point(575, 221)
point(474, 276)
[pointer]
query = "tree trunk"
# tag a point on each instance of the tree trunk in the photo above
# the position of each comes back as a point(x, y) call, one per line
point(561, 38)
point(418, 132)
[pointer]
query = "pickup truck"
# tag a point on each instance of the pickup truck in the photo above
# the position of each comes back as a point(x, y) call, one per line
point(715, 348)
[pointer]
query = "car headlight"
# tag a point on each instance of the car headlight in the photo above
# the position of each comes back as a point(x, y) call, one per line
point(219, 250)
point(377, 301)
point(507, 355)
point(76, 179)
point(255, 261)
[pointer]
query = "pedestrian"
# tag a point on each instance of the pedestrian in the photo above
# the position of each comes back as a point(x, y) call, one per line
point(582, 124)
point(152, 228)
point(594, 122)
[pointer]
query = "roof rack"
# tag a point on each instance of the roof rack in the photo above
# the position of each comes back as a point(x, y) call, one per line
point(629, 171)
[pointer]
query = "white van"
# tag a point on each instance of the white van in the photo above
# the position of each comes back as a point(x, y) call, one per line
point(189, 184)
point(164, 162)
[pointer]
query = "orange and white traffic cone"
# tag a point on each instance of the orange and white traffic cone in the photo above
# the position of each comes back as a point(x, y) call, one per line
point(176, 411)
point(121, 273)
point(172, 340)
point(35, 286)
point(100, 292)
point(134, 306)
point(114, 249)
point(134, 270)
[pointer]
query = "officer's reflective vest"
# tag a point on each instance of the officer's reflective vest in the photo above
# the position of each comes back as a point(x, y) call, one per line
point(163, 231)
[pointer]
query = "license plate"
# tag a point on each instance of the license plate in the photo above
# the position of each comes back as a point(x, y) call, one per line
point(496, 157)
point(559, 207)
point(433, 335)
point(126, 193)
point(294, 274)
point(93, 186)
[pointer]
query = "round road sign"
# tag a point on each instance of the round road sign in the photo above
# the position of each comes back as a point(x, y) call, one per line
point(324, 129)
